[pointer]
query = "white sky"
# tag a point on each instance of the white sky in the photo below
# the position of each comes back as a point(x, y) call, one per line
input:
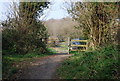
point(55, 11)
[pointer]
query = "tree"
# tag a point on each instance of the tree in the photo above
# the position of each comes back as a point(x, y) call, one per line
point(23, 32)
point(96, 20)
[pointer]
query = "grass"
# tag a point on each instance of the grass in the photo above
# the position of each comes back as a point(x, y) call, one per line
point(51, 51)
point(13, 62)
point(99, 64)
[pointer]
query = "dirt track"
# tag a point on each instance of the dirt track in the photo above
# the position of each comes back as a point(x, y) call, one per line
point(44, 68)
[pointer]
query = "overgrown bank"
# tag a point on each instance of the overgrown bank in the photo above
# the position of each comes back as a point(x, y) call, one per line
point(100, 64)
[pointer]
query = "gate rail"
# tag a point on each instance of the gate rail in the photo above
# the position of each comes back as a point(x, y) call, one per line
point(85, 46)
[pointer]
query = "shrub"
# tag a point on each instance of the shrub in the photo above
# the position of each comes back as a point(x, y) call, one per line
point(16, 41)
point(100, 64)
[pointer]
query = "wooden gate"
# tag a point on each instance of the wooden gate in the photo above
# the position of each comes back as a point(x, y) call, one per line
point(83, 46)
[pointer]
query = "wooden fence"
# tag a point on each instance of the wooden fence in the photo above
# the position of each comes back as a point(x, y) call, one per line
point(83, 46)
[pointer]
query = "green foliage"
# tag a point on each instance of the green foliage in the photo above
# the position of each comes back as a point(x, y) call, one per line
point(51, 51)
point(34, 9)
point(8, 36)
point(100, 64)
point(23, 33)
point(19, 42)
point(96, 20)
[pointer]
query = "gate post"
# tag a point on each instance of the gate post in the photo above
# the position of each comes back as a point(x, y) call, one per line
point(68, 45)
point(87, 45)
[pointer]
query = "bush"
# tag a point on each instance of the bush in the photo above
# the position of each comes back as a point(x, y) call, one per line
point(22, 42)
point(101, 64)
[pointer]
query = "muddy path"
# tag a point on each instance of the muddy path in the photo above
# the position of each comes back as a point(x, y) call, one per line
point(45, 67)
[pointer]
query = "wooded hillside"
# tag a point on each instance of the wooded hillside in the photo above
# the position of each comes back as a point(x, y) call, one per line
point(62, 27)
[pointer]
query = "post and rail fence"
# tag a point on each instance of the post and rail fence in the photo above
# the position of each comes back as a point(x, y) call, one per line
point(83, 46)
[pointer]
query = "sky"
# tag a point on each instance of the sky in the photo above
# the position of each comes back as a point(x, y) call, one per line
point(3, 10)
point(55, 11)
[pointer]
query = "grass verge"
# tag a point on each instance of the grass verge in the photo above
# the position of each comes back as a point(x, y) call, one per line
point(99, 64)
point(12, 63)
